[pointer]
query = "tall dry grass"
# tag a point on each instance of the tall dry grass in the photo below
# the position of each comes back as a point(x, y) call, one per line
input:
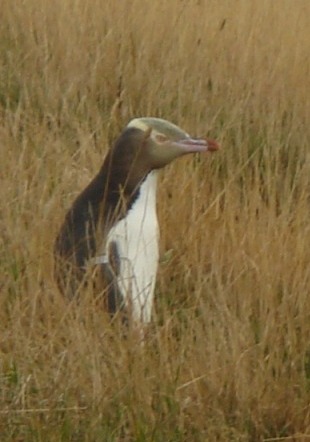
point(228, 354)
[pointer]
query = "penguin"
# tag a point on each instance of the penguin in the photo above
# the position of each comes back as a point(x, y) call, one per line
point(112, 225)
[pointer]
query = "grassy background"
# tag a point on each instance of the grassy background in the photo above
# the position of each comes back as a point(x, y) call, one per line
point(228, 355)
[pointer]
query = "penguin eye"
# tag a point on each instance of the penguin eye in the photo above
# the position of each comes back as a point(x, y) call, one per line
point(160, 138)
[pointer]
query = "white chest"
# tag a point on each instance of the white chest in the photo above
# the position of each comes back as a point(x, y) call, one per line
point(136, 237)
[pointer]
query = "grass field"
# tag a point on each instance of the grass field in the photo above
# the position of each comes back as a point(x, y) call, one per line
point(228, 354)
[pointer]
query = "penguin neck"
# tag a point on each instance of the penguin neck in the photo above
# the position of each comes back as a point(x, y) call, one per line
point(138, 225)
point(141, 202)
point(146, 194)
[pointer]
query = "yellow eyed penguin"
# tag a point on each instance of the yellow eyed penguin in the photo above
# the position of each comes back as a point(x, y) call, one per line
point(113, 223)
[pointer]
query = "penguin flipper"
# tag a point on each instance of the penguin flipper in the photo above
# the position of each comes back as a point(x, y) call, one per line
point(110, 265)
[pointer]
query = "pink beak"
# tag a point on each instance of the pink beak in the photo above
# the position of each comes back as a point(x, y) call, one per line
point(192, 145)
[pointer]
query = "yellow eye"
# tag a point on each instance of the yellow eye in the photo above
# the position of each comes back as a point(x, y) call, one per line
point(160, 138)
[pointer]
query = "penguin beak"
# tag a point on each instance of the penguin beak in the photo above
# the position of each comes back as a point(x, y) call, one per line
point(193, 145)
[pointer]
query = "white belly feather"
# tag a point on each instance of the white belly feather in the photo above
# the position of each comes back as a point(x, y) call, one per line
point(136, 237)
